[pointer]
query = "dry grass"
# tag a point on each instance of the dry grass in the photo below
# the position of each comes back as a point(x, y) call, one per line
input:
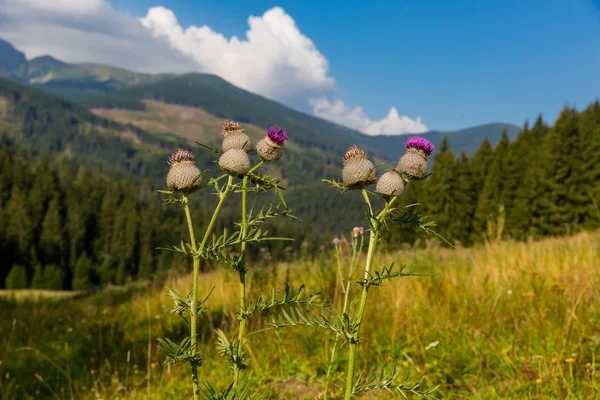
point(502, 321)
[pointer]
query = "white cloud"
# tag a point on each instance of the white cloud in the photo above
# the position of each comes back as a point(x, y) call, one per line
point(356, 118)
point(87, 31)
point(275, 59)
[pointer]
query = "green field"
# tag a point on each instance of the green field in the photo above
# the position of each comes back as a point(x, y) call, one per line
point(505, 320)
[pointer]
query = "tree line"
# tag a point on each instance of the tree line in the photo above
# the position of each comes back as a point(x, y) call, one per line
point(544, 183)
point(65, 224)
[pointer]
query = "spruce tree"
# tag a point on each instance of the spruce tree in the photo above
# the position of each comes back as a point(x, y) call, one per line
point(16, 278)
point(37, 281)
point(589, 131)
point(82, 273)
point(561, 208)
point(54, 277)
point(488, 219)
point(441, 190)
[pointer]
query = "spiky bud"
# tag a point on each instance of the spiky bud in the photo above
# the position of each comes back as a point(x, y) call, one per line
point(358, 171)
point(234, 137)
point(235, 162)
point(271, 147)
point(414, 161)
point(390, 184)
point(183, 172)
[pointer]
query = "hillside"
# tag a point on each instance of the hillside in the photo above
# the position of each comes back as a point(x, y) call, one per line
point(223, 100)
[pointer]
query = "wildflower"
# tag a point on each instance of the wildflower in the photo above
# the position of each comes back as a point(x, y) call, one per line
point(336, 241)
point(358, 171)
point(234, 137)
point(414, 161)
point(183, 175)
point(538, 380)
point(355, 232)
point(235, 162)
point(390, 184)
point(554, 360)
point(569, 360)
point(271, 147)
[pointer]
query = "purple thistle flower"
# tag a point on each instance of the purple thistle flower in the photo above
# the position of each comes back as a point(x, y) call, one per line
point(336, 241)
point(420, 143)
point(277, 134)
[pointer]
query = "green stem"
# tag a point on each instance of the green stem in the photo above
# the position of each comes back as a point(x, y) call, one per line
point(242, 273)
point(196, 272)
point(374, 237)
point(193, 306)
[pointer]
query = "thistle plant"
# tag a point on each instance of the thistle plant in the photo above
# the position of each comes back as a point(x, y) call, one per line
point(358, 174)
point(183, 179)
point(227, 248)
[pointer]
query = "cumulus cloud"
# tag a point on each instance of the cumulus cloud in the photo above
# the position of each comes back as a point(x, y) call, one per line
point(87, 31)
point(356, 118)
point(275, 59)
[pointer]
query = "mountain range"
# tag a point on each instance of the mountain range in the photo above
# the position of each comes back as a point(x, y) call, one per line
point(102, 86)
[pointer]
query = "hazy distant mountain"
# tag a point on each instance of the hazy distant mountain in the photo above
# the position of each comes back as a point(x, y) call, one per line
point(10, 58)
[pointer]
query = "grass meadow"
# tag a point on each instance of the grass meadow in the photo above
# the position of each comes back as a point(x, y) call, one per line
point(505, 320)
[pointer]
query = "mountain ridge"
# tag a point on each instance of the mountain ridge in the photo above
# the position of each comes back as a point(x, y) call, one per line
point(89, 82)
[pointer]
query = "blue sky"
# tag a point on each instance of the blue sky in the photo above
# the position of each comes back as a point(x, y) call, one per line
point(453, 63)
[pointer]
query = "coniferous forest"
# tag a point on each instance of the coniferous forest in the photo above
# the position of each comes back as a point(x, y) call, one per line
point(68, 225)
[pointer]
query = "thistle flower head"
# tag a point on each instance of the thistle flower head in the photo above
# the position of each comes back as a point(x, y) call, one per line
point(420, 143)
point(235, 162)
point(354, 152)
point(357, 231)
point(390, 184)
point(336, 241)
point(183, 175)
point(230, 126)
point(180, 155)
point(277, 134)
point(358, 171)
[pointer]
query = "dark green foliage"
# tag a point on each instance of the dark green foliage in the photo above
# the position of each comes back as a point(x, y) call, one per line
point(16, 278)
point(54, 277)
point(61, 220)
point(82, 273)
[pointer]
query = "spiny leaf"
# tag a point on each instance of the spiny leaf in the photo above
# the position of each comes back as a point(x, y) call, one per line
point(264, 303)
point(376, 278)
point(385, 381)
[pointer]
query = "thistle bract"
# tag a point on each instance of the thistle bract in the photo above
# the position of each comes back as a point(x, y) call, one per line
point(414, 162)
point(358, 171)
point(390, 184)
point(235, 162)
point(234, 137)
point(183, 173)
